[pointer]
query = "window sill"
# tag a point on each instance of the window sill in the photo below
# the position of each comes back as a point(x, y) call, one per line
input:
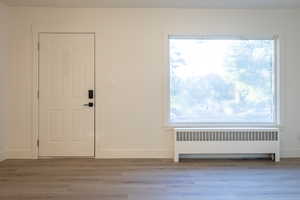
point(223, 126)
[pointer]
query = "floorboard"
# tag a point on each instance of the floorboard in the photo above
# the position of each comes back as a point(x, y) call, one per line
point(89, 179)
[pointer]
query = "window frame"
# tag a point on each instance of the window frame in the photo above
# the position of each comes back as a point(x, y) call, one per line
point(276, 83)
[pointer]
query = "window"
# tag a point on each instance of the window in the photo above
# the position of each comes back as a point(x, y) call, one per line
point(222, 81)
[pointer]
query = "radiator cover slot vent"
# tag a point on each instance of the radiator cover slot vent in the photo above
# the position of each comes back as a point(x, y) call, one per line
point(226, 135)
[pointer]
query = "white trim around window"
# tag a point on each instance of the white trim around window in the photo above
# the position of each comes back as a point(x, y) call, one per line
point(276, 82)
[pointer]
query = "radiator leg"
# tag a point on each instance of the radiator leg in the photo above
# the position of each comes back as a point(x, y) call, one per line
point(277, 157)
point(176, 157)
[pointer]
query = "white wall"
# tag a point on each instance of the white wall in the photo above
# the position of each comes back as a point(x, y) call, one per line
point(3, 77)
point(130, 67)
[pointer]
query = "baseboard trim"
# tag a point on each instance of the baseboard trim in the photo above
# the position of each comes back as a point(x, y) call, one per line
point(290, 153)
point(2, 156)
point(20, 154)
point(133, 153)
point(127, 153)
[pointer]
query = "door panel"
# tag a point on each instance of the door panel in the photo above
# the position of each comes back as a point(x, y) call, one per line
point(66, 73)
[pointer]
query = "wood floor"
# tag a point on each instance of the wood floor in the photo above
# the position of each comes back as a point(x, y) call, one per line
point(88, 179)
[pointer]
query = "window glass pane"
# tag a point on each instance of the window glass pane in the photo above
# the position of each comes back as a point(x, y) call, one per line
point(221, 81)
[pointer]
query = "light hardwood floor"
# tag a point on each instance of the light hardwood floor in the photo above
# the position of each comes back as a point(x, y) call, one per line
point(89, 179)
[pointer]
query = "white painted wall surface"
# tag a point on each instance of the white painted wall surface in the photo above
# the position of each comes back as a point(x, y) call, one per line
point(130, 71)
point(4, 52)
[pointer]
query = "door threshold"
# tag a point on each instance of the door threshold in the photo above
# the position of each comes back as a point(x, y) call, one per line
point(66, 157)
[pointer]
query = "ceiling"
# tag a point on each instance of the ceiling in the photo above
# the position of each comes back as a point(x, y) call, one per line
point(264, 4)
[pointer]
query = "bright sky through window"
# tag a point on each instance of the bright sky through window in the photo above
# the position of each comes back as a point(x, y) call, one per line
point(221, 81)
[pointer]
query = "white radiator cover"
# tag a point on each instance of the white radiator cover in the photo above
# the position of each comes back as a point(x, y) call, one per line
point(227, 141)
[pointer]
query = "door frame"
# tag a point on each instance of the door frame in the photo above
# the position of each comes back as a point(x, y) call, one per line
point(35, 87)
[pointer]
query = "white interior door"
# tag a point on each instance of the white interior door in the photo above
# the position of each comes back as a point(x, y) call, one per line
point(66, 74)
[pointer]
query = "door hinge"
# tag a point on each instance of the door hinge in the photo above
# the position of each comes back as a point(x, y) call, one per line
point(38, 143)
point(38, 94)
point(38, 46)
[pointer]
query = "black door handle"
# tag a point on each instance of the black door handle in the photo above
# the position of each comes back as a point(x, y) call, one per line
point(90, 104)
